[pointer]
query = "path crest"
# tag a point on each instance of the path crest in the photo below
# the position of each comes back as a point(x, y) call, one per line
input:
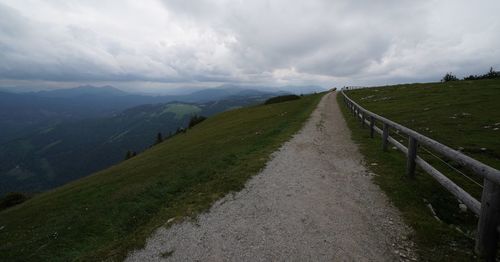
point(314, 201)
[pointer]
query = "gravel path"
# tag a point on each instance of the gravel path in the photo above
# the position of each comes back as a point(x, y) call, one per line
point(314, 201)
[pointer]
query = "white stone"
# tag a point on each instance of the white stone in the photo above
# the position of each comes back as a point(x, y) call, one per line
point(463, 207)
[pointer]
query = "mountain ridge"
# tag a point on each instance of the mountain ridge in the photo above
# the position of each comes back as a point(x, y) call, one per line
point(47, 156)
point(81, 90)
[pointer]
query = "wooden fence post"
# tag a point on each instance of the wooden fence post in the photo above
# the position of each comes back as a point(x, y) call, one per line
point(412, 155)
point(487, 232)
point(372, 126)
point(385, 136)
point(363, 117)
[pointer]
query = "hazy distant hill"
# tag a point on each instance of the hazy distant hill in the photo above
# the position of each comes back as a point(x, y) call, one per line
point(302, 89)
point(221, 93)
point(81, 91)
point(63, 151)
point(48, 138)
point(294, 89)
point(21, 113)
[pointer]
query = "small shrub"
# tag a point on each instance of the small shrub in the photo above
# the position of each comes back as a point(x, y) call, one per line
point(180, 130)
point(492, 74)
point(159, 138)
point(449, 77)
point(196, 120)
point(279, 99)
point(471, 77)
point(12, 199)
point(130, 154)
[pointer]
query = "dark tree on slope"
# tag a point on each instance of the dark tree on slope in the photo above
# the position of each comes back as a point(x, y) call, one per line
point(449, 77)
point(279, 99)
point(128, 155)
point(196, 120)
point(492, 74)
point(159, 138)
point(180, 130)
point(12, 199)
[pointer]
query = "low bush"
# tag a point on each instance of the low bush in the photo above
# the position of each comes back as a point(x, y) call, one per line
point(449, 77)
point(279, 99)
point(12, 199)
point(196, 120)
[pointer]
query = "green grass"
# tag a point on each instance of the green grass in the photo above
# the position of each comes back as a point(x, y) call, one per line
point(180, 110)
point(455, 114)
point(279, 99)
point(105, 215)
point(458, 114)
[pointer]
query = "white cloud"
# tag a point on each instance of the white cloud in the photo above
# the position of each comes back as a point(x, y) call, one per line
point(262, 42)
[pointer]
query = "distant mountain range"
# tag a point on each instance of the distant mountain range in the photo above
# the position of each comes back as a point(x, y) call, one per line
point(86, 90)
point(22, 112)
point(179, 91)
point(49, 138)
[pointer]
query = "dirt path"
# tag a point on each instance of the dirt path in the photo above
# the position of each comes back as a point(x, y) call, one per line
point(313, 202)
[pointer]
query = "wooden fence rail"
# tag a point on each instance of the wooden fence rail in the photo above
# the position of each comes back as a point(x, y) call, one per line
point(488, 210)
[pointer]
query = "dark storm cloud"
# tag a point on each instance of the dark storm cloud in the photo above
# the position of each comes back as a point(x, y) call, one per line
point(279, 42)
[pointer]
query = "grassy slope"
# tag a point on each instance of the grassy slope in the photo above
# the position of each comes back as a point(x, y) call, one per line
point(435, 110)
point(455, 113)
point(115, 210)
point(180, 110)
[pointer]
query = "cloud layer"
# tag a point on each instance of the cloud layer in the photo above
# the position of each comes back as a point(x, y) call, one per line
point(181, 42)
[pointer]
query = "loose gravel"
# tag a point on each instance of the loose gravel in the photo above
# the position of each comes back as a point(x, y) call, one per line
point(314, 201)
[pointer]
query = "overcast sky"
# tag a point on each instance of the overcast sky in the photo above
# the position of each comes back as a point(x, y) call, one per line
point(152, 44)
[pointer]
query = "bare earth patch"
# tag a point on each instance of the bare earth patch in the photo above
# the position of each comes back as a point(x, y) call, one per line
point(314, 201)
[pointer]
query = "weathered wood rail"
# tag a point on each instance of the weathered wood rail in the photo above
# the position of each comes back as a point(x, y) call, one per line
point(488, 210)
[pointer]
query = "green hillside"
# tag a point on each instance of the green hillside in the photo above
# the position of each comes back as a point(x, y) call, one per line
point(458, 114)
point(181, 110)
point(463, 115)
point(104, 215)
point(62, 152)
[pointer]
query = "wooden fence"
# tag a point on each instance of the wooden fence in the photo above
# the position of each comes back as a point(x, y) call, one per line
point(488, 210)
